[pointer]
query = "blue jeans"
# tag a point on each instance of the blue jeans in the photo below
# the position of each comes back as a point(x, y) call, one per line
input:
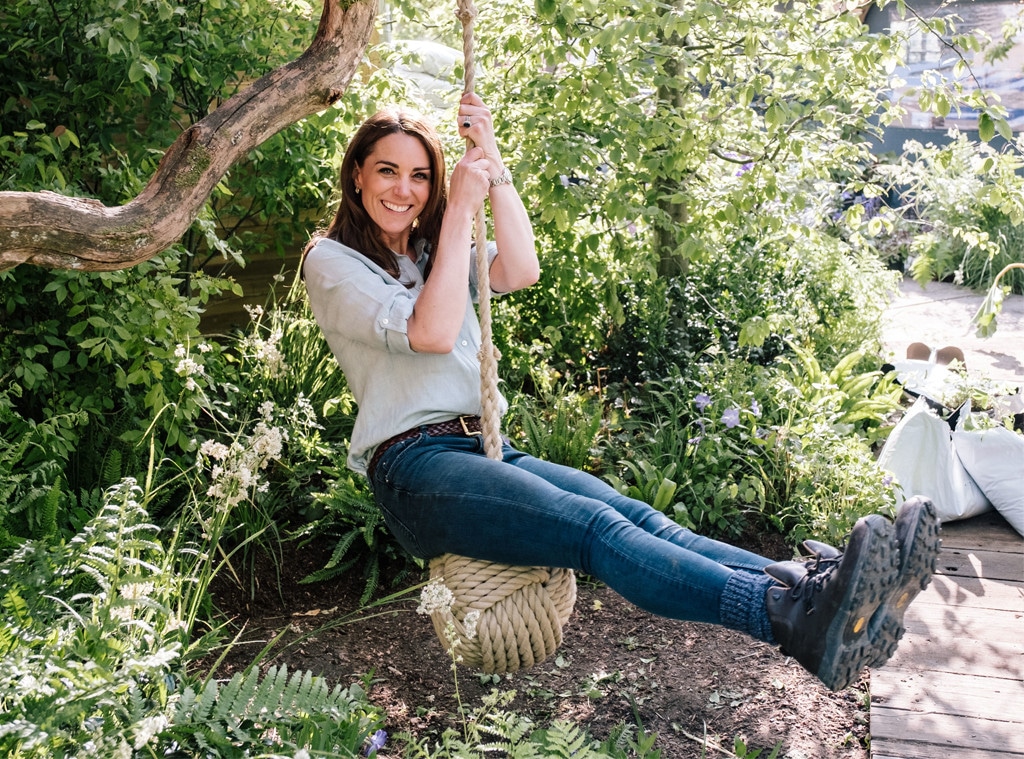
point(443, 495)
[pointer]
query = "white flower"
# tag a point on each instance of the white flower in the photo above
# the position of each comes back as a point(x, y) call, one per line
point(121, 613)
point(147, 728)
point(469, 624)
point(134, 591)
point(302, 754)
point(435, 597)
point(214, 450)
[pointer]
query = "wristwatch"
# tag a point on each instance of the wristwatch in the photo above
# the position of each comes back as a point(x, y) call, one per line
point(505, 177)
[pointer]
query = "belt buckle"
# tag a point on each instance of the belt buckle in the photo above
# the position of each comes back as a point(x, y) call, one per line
point(465, 428)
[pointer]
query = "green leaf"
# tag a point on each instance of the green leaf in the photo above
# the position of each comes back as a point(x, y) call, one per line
point(130, 26)
point(986, 127)
point(754, 332)
point(136, 72)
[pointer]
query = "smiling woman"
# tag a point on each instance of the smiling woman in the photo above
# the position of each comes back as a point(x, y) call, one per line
point(392, 288)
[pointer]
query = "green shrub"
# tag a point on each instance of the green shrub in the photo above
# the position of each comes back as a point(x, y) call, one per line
point(963, 211)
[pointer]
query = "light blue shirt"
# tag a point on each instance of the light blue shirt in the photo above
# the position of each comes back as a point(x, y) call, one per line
point(364, 314)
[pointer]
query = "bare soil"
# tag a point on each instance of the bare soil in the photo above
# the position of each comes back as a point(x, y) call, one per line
point(699, 687)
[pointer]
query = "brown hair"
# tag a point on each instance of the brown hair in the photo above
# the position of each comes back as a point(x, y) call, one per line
point(352, 225)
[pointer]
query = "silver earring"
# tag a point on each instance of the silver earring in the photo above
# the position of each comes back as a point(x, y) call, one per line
point(358, 191)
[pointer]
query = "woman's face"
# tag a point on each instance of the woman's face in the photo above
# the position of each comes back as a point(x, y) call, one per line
point(394, 183)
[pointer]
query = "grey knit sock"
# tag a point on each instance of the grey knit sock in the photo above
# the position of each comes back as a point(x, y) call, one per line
point(743, 604)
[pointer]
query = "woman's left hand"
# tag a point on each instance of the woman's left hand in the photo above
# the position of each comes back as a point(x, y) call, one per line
point(476, 124)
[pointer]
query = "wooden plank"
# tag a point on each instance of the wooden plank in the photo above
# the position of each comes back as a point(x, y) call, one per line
point(949, 694)
point(938, 625)
point(955, 687)
point(950, 590)
point(981, 658)
point(929, 736)
point(982, 564)
point(989, 530)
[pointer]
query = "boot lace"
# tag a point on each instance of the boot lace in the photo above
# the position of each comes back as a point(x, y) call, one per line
point(819, 571)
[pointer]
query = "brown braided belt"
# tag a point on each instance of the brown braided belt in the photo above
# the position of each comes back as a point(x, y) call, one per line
point(468, 426)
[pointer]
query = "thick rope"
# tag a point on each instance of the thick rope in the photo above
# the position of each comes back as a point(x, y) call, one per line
point(521, 609)
point(489, 354)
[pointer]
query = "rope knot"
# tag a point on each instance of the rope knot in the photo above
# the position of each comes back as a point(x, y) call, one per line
point(466, 11)
point(481, 354)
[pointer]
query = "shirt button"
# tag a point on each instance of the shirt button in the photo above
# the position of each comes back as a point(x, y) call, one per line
point(383, 321)
point(465, 343)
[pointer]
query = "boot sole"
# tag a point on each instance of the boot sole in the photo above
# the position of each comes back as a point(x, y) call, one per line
point(918, 556)
point(850, 647)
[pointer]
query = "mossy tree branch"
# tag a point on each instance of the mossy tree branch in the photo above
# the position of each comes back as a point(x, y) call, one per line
point(53, 231)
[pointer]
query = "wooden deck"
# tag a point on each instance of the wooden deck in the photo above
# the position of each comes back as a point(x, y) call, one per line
point(955, 687)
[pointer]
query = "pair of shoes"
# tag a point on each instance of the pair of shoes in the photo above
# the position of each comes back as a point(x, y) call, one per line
point(868, 641)
point(821, 613)
point(918, 539)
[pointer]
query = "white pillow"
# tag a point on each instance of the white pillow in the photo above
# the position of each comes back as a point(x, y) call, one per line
point(995, 460)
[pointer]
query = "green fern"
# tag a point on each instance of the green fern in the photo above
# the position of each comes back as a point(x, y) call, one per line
point(44, 518)
point(564, 740)
point(362, 540)
point(562, 427)
point(249, 713)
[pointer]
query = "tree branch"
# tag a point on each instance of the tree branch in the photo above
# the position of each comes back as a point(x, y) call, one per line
point(58, 232)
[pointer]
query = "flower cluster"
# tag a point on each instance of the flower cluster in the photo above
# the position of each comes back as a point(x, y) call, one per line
point(235, 474)
point(265, 352)
point(437, 598)
point(188, 367)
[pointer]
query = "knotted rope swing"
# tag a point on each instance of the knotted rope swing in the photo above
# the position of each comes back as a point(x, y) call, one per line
point(521, 609)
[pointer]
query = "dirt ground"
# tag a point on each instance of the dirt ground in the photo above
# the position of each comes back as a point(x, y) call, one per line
point(697, 686)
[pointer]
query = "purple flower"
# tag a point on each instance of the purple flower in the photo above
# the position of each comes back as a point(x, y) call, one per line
point(755, 408)
point(702, 401)
point(887, 480)
point(744, 169)
point(731, 417)
point(696, 440)
point(377, 741)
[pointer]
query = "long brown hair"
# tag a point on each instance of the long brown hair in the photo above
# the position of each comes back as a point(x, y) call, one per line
point(352, 225)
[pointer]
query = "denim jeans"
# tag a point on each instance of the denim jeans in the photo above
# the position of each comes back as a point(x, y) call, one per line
point(443, 495)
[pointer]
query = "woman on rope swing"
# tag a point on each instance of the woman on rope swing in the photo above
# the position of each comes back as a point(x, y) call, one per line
point(392, 287)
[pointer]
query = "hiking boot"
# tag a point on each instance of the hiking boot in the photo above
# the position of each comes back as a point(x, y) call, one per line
point(821, 614)
point(917, 532)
